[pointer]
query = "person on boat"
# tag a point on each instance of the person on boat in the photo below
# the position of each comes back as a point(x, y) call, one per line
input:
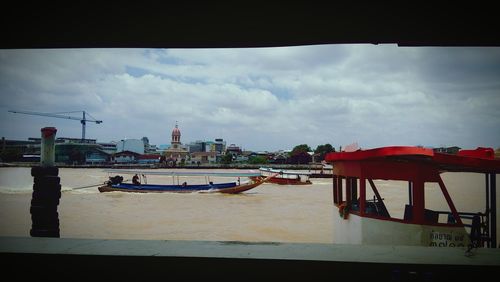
point(184, 184)
point(135, 180)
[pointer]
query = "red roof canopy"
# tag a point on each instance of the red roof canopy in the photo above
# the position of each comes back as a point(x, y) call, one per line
point(478, 160)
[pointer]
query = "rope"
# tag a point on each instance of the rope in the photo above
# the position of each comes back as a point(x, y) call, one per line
point(88, 186)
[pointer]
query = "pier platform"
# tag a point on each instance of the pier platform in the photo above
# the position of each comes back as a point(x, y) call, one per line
point(60, 258)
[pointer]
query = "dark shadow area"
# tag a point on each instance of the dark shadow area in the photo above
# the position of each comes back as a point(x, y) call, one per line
point(64, 267)
point(245, 24)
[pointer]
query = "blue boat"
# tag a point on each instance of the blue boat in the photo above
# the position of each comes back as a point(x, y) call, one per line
point(115, 183)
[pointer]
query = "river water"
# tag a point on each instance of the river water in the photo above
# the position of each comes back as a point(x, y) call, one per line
point(270, 212)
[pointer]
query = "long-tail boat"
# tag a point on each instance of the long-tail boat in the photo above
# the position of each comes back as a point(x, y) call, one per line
point(285, 177)
point(115, 183)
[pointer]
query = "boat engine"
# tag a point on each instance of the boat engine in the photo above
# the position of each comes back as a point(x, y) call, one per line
point(113, 180)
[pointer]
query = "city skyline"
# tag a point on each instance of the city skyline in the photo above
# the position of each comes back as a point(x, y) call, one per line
point(262, 99)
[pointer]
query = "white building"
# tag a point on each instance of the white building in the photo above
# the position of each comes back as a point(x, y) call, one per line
point(132, 145)
point(109, 148)
point(204, 157)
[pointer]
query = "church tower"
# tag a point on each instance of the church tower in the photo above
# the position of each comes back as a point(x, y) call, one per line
point(176, 137)
point(176, 152)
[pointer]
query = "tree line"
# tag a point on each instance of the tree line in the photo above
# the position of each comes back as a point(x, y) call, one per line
point(299, 155)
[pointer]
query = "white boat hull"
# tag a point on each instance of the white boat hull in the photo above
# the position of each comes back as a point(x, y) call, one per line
point(371, 231)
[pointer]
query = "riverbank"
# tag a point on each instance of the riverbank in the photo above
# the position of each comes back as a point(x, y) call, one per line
point(157, 166)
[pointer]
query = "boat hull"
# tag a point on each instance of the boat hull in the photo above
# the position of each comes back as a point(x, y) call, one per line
point(227, 188)
point(286, 177)
point(174, 188)
point(370, 231)
point(287, 181)
point(321, 175)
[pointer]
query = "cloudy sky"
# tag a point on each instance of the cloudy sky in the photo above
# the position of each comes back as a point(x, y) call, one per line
point(262, 98)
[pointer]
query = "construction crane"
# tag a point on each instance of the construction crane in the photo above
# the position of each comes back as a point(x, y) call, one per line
point(83, 120)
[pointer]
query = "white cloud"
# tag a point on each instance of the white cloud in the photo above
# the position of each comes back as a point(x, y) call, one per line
point(262, 98)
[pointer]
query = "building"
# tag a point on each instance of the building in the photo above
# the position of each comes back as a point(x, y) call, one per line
point(219, 145)
point(447, 150)
point(145, 140)
point(152, 149)
point(197, 146)
point(148, 159)
point(109, 148)
point(132, 145)
point(209, 146)
point(162, 148)
point(149, 148)
point(14, 150)
point(60, 140)
point(96, 156)
point(241, 159)
point(176, 152)
point(234, 150)
point(125, 157)
point(67, 150)
point(80, 153)
point(279, 158)
point(203, 157)
point(205, 146)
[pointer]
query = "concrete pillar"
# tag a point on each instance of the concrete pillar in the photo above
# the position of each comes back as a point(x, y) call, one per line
point(46, 189)
point(47, 154)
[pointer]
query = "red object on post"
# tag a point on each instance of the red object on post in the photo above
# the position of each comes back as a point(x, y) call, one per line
point(48, 131)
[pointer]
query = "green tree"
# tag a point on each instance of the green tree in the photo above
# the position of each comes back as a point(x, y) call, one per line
point(323, 150)
point(11, 155)
point(302, 148)
point(300, 154)
point(227, 159)
point(300, 158)
point(257, 160)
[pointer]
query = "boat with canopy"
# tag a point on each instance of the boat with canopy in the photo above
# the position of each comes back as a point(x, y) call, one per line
point(285, 177)
point(140, 185)
point(362, 220)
